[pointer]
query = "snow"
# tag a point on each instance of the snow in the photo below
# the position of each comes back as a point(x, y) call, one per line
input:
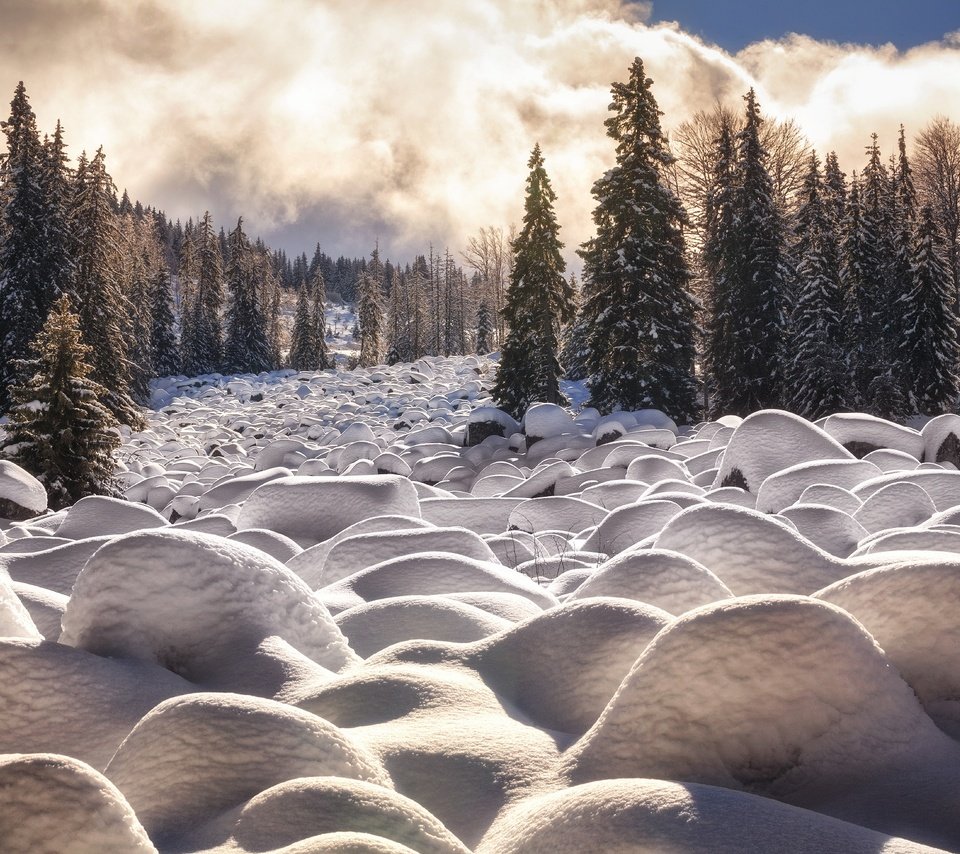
point(21, 488)
point(328, 618)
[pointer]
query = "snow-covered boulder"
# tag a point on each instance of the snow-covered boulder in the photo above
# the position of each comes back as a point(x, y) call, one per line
point(22, 496)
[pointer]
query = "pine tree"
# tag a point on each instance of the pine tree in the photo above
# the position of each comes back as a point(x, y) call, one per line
point(638, 305)
point(26, 289)
point(303, 344)
point(576, 335)
point(319, 318)
point(103, 307)
point(247, 349)
point(164, 353)
point(930, 324)
point(817, 374)
point(539, 301)
point(207, 339)
point(719, 257)
point(370, 313)
point(59, 431)
point(756, 280)
point(485, 328)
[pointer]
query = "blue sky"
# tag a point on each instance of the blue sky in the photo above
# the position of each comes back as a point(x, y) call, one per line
point(733, 24)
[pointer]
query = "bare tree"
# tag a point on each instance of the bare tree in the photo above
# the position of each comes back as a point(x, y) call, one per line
point(488, 253)
point(937, 170)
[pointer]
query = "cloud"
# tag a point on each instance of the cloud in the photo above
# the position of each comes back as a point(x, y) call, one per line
point(345, 121)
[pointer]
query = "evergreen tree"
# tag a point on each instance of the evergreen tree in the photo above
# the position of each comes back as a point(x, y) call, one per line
point(719, 256)
point(59, 431)
point(370, 313)
point(485, 328)
point(103, 306)
point(817, 374)
point(27, 289)
point(930, 324)
point(303, 344)
point(207, 339)
point(247, 349)
point(319, 317)
point(539, 301)
point(638, 306)
point(164, 353)
point(576, 335)
point(756, 274)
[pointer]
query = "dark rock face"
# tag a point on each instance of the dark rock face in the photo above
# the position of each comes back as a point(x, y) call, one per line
point(532, 440)
point(14, 512)
point(949, 450)
point(477, 431)
point(735, 478)
point(861, 449)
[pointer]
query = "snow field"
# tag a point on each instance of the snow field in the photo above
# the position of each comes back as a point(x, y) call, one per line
point(369, 612)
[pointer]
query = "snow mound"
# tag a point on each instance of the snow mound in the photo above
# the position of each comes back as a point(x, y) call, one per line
point(750, 552)
point(665, 579)
point(481, 515)
point(97, 515)
point(654, 816)
point(197, 604)
point(785, 487)
point(56, 804)
point(15, 619)
point(562, 667)
point(276, 545)
point(902, 606)
point(56, 568)
point(555, 513)
point(775, 695)
point(311, 509)
point(861, 434)
point(832, 530)
point(56, 699)
point(194, 757)
point(896, 505)
point(364, 550)
point(376, 625)
point(431, 573)
point(627, 526)
point(21, 494)
point(943, 487)
point(770, 440)
point(44, 607)
point(941, 439)
point(312, 806)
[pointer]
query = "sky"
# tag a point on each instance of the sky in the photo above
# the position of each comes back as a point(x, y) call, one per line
point(410, 122)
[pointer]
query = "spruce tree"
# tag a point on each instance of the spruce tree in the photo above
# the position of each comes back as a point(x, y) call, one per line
point(319, 318)
point(58, 430)
point(757, 279)
point(485, 328)
point(27, 289)
point(638, 305)
point(370, 312)
point(164, 353)
point(303, 344)
point(817, 374)
point(719, 256)
point(930, 324)
point(247, 349)
point(103, 306)
point(207, 338)
point(539, 301)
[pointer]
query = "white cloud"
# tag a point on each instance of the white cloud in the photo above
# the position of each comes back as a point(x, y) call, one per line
point(347, 120)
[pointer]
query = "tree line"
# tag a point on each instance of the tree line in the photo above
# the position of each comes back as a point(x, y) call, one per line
point(789, 285)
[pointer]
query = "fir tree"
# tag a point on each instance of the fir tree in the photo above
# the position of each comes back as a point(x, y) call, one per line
point(817, 374)
point(164, 353)
point(26, 288)
point(930, 324)
point(207, 339)
point(59, 431)
point(573, 354)
point(485, 328)
point(103, 306)
point(756, 280)
point(247, 349)
point(303, 344)
point(319, 318)
point(370, 313)
point(638, 307)
point(719, 256)
point(539, 301)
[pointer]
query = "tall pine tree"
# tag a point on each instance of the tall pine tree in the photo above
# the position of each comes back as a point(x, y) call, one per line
point(59, 431)
point(247, 349)
point(303, 343)
point(319, 317)
point(164, 353)
point(103, 305)
point(639, 309)
point(539, 301)
point(930, 322)
point(370, 312)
